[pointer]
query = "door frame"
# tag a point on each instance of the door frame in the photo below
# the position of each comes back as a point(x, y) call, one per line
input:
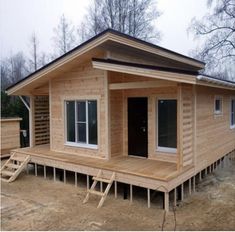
point(125, 137)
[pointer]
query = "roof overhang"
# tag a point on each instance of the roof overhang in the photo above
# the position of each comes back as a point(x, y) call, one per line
point(52, 69)
point(144, 70)
point(214, 82)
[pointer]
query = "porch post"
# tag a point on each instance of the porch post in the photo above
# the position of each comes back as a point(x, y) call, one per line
point(31, 122)
point(107, 115)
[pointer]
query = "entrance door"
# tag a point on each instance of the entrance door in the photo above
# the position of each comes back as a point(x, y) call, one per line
point(138, 126)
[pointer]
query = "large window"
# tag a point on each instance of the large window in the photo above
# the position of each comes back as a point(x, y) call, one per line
point(167, 125)
point(81, 122)
point(232, 117)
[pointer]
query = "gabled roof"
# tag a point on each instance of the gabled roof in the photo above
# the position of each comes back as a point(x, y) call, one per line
point(107, 35)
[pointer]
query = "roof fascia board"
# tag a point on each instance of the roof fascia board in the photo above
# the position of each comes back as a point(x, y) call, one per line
point(183, 78)
point(210, 82)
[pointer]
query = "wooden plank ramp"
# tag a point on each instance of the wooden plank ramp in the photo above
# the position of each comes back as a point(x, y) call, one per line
point(104, 194)
point(13, 167)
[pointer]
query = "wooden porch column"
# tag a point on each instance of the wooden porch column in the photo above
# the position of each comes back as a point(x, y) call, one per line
point(31, 122)
point(166, 201)
point(107, 114)
point(179, 128)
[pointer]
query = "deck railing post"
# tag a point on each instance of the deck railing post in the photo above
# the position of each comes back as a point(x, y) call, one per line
point(194, 184)
point(64, 176)
point(175, 197)
point(54, 173)
point(115, 189)
point(76, 179)
point(166, 201)
point(101, 186)
point(182, 191)
point(87, 182)
point(44, 172)
point(131, 193)
point(27, 169)
point(190, 186)
point(148, 196)
point(200, 175)
point(36, 169)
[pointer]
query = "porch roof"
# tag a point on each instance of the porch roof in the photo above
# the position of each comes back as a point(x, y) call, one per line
point(164, 73)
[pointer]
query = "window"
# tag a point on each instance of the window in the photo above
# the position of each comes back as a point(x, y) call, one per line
point(232, 117)
point(218, 105)
point(81, 121)
point(167, 125)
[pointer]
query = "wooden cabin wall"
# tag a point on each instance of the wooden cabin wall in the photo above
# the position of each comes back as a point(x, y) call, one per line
point(118, 100)
point(214, 138)
point(186, 114)
point(82, 83)
point(41, 120)
point(116, 122)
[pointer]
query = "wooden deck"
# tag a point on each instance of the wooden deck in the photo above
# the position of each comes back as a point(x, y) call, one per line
point(147, 173)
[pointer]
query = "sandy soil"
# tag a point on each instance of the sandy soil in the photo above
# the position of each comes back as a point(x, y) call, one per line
point(33, 203)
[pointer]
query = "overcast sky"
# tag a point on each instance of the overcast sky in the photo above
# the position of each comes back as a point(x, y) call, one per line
point(19, 18)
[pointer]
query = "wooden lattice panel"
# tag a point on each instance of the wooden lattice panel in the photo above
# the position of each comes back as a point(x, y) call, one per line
point(42, 121)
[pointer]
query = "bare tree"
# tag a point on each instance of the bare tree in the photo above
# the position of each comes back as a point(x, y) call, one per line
point(134, 17)
point(34, 53)
point(17, 67)
point(4, 74)
point(64, 36)
point(218, 30)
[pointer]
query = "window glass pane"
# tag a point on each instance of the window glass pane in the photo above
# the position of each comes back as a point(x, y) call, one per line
point(81, 111)
point(81, 132)
point(92, 122)
point(217, 105)
point(232, 112)
point(167, 123)
point(70, 114)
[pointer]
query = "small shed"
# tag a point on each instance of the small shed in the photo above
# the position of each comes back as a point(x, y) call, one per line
point(10, 135)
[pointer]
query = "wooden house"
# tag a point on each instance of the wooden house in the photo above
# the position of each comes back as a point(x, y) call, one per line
point(130, 108)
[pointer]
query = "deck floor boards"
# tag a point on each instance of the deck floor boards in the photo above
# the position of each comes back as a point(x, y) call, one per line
point(154, 169)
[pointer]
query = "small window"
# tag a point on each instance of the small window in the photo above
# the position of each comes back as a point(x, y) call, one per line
point(218, 105)
point(81, 121)
point(232, 116)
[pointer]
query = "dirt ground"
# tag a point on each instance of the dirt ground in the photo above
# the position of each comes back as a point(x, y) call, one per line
point(33, 203)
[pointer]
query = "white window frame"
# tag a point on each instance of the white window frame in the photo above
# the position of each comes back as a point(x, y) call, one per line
point(80, 144)
point(170, 150)
point(218, 112)
point(230, 118)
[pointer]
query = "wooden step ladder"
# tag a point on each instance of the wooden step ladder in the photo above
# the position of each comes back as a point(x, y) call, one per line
point(104, 194)
point(13, 167)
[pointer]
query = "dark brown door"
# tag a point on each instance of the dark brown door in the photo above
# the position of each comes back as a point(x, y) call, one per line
point(138, 126)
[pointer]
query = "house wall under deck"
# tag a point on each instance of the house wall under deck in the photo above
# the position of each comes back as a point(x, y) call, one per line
point(214, 138)
point(82, 83)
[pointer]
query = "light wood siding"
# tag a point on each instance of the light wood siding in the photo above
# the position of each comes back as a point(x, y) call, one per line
point(82, 83)
point(10, 134)
point(119, 132)
point(187, 124)
point(214, 138)
point(116, 112)
point(42, 122)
